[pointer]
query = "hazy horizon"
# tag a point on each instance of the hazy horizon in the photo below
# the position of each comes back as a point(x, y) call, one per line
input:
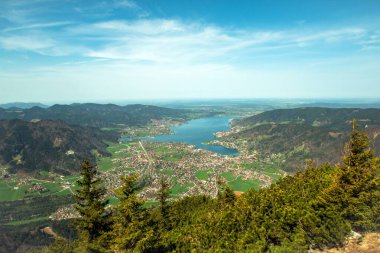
point(81, 51)
point(187, 100)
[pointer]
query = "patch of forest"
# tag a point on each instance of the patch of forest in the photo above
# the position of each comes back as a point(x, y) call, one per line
point(50, 145)
point(96, 115)
point(300, 134)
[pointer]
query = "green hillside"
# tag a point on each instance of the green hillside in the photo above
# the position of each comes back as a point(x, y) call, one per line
point(95, 115)
point(296, 135)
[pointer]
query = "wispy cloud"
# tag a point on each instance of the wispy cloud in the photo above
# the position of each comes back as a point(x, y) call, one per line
point(169, 41)
point(37, 26)
point(346, 34)
point(22, 12)
point(125, 4)
point(25, 43)
point(372, 41)
point(108, 8)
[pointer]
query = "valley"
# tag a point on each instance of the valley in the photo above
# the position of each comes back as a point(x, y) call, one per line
point(188, 169)
point(195, 153)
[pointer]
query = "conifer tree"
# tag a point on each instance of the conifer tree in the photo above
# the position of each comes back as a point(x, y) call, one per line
point(225, 194)
point(128, 218)
point(163, 195)
point(357, 152)
point(90, 204)
point(358, 183)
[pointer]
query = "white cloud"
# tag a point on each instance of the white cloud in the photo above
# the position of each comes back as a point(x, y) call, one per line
point(125, 4)
point(122, 28)
point(331, 36)
point(162, 41)
point(169, 41)
point(25, 43)
point(152, 58)
point(37, 26)
point(22, 12)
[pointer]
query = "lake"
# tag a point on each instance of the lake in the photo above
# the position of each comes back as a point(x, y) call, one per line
point(197, 132)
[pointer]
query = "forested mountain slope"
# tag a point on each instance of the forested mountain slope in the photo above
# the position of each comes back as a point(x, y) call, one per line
point(317, 116)
point(95, 115)
point(305, 133)
point(49, 145)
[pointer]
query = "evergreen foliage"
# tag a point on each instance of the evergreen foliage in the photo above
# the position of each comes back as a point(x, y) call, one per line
point(163, 196)
point(90, 204)
point(357, 184)
point(127, 226)
point(313, 209)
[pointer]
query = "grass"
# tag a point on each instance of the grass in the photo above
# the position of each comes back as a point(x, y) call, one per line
point(52, 187)
point(203, 174)
point(162, 149)
point(71, 179)
point(178, 189)
point(142, 134)
point(63, 192)
point(228, 176)
point(244, 185)
point(23, 222)
point(150, 203)
point(44, 173)
point(116, 149)
point(113, 201)
point(238, 184)
point(168, 172)
point(169, 154)
point(10, 194)
point(121, 155)
point(249, 166)
point(105, 163)
point(265, 168)
point(172, 157)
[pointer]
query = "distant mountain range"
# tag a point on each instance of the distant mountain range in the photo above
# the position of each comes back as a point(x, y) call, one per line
point(95, 115)
point(22, 105)
point(305, 133)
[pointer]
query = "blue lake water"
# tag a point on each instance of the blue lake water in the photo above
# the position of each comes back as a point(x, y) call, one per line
point(198, 131)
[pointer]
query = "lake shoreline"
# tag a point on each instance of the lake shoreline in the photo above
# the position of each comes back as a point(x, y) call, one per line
point(200, 133)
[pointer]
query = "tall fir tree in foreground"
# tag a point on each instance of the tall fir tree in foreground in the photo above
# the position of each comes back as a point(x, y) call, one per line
point(128, 219)
point(90, 204)
point(163, 195)
point(357, 186)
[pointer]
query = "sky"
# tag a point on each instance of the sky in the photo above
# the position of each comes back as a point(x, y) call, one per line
point(83, 51)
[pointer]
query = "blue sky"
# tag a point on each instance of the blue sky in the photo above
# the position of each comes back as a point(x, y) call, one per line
point(72, 50)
